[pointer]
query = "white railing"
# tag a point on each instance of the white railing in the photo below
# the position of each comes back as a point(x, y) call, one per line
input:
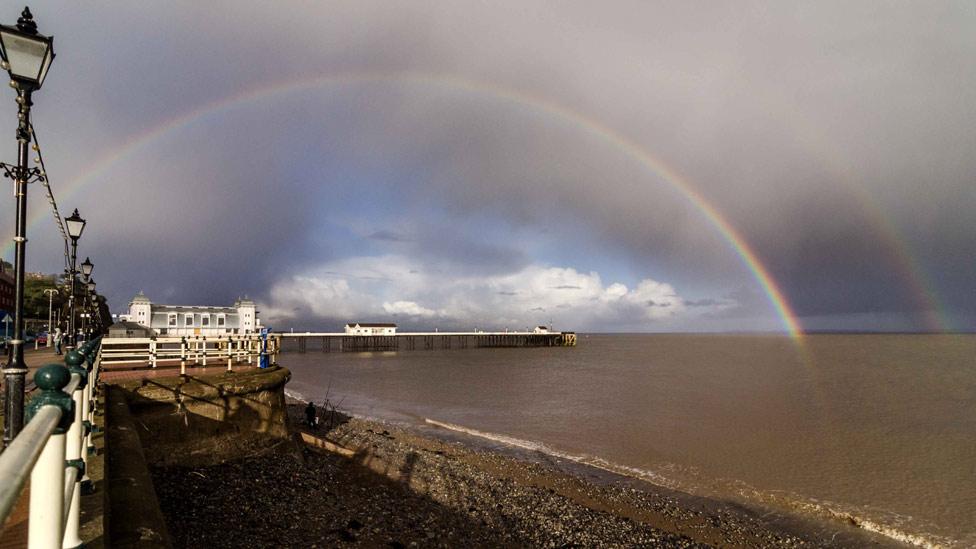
point(202, 350)
point(52, 450)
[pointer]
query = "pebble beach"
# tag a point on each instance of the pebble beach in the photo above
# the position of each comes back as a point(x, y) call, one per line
point(385, 485)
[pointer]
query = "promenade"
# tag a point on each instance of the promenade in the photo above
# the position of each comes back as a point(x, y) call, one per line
point(92, 520)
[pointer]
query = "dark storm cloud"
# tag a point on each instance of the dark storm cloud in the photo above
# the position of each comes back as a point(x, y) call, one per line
point(389, 236)
point(835, 137)
point(456, 247)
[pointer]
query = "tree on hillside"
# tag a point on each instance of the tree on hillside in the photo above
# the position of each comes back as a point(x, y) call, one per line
point(36, 301)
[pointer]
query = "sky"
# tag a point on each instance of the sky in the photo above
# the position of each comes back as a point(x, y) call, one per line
point(615, 166)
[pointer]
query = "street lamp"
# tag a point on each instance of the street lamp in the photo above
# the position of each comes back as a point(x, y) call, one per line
point(75, 226)
point(26, 56)
point(89, 327)
point(50, 311)
point(86, 267)
point(99, 302)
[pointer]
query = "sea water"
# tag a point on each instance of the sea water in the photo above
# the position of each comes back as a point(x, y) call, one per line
point(875, 429)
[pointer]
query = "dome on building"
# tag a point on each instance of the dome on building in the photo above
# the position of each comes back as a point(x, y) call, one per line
point(141, 298)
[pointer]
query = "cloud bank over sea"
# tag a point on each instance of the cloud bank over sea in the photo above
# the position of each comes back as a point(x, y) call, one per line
point(406, 290)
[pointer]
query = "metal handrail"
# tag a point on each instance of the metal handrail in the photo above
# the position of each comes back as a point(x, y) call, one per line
point(52, 450)
point(220, 349)
point(17, 461)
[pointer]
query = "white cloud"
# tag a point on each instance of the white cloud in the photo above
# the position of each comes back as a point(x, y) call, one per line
point(397, 287)
point(407, 308)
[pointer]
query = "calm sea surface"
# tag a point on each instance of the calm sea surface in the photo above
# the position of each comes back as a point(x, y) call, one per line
point(878, 428)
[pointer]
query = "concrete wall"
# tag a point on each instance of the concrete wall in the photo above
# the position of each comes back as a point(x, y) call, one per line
point(185, 421)
point(207, 419)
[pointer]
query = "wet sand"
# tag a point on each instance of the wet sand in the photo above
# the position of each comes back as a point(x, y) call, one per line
point(380, 484)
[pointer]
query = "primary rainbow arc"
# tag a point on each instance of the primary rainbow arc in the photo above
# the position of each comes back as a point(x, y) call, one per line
point(655, 166)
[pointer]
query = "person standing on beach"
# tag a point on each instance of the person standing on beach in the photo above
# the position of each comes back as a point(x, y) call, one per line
point(310, 414)
point(57, 340)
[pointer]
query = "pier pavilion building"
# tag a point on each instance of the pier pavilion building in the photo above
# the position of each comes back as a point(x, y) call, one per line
point(371, 329)
point(194, 320)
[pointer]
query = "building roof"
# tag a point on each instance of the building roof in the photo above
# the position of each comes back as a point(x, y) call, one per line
point(141, 298)
point(192, 309)
point(127, 325)
point(372, 325)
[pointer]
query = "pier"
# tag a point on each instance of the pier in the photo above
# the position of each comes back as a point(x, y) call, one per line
point(328, 342)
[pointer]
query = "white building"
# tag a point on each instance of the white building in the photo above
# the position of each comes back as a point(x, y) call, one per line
point(541, 330)
point(371, 329)
point(191, 320)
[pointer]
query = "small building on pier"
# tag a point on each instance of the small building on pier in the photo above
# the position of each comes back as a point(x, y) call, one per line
point(371, 329)
point(194, 320)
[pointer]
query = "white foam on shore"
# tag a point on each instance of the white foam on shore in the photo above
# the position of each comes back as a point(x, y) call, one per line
point(591, 461)
point(929, 541)
point(819, 509)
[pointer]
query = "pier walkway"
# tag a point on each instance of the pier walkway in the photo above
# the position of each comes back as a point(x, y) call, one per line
point(411, 341)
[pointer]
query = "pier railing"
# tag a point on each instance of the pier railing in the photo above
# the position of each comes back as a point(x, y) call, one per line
point(52, 450)
point(195, 350)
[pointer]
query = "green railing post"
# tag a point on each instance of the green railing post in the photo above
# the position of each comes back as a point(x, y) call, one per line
point(46, 524)
point(74, 447)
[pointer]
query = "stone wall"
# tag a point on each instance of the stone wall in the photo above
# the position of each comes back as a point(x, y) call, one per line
point(190, 420)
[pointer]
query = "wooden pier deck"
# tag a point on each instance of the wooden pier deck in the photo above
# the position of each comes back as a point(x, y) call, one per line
point(328, 342)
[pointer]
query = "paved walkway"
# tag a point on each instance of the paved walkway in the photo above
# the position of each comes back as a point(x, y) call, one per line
point(128, 372)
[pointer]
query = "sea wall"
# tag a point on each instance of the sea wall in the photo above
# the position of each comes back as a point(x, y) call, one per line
point(182, 421)
point(200, 420)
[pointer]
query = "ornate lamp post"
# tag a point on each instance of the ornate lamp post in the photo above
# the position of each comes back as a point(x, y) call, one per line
point(99, 325)
point(75, 226)
point(86, 270)
point(27, 57)
point(90, 286)
point(50, 311)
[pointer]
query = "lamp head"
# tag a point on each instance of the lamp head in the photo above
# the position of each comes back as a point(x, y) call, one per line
point(26, 54)
point(75, 225)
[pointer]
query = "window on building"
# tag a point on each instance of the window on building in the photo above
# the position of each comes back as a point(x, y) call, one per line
point(188, 320)
point(221, 321)
point(205, 320)
point(171, 320)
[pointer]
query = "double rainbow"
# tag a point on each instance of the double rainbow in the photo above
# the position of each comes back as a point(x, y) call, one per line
point(652, 164)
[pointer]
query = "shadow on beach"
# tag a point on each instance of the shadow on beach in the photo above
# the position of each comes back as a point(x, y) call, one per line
point(352, 481)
